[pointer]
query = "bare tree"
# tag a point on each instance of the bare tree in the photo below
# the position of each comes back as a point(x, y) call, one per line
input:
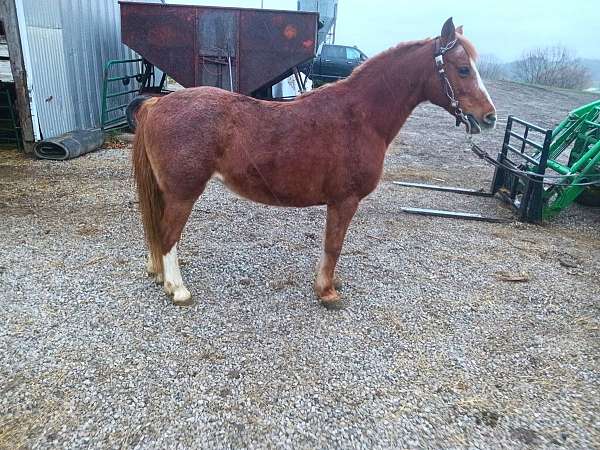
point(552, 66)
point(490, 67)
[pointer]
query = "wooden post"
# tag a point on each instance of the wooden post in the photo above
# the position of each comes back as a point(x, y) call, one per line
point(8, 16)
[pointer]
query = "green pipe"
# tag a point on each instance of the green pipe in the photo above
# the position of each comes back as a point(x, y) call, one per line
point(126, 77)
point(557, 167)
point(593, 153)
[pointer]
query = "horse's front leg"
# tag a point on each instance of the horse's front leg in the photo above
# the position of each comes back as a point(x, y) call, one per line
point(339, 216)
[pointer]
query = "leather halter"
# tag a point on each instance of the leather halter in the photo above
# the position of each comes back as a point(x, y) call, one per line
point(446, 85)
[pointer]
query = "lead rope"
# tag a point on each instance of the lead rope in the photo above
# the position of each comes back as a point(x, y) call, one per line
point(528, 175)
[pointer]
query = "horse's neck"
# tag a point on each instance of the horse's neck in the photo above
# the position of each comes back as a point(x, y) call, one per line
point(390, 86)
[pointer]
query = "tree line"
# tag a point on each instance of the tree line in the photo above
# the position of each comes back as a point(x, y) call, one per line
point(554, 66)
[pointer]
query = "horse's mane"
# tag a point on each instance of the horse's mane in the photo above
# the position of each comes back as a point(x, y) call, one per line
point(397, 50)
point(370, 63)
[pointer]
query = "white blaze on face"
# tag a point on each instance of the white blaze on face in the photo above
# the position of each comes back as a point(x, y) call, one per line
point(480, 83)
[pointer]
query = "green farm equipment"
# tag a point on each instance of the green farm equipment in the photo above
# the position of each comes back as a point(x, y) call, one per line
point(541, 183)
point(540, 172)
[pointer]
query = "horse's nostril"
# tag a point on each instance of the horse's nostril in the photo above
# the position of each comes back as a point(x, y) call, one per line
point(490, 119)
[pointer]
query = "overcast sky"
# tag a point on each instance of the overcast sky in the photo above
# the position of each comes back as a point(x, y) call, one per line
point(502, 27)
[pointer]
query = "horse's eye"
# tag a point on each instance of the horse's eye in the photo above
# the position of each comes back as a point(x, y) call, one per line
point(464, 71)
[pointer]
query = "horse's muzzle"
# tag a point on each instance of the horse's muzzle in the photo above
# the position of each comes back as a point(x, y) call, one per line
point(489, 120)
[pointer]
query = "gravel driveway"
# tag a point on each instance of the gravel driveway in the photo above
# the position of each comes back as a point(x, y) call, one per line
point(433, 349)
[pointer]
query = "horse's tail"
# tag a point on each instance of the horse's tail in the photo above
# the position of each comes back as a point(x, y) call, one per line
point(149, 195)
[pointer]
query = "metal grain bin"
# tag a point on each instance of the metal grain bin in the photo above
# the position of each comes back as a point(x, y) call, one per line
point(252, 49)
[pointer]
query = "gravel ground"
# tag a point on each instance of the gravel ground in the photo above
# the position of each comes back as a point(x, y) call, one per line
point(433, 349)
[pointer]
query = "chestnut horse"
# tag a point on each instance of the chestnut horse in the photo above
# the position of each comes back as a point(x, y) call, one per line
point(326, 147)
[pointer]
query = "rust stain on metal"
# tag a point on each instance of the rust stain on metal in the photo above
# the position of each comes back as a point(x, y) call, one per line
point(309, 43)
point(290, 32)
point(194, 44)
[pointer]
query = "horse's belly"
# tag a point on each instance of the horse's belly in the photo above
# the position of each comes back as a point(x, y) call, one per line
point(269, 192)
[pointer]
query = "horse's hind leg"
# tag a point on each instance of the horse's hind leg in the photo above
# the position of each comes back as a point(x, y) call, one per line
point(153, 271)
point(175, 216)
point(173, 282)
point(339, 216)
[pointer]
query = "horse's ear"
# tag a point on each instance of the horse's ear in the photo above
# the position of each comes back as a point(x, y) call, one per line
point(459, 30)
point(448, 31)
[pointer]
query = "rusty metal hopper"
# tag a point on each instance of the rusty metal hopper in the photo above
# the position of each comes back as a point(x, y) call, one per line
point(197, 45)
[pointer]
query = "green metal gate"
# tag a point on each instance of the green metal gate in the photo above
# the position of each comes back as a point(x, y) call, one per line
point(123, 80)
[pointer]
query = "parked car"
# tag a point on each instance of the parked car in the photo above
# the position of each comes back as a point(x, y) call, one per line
point(332, 63)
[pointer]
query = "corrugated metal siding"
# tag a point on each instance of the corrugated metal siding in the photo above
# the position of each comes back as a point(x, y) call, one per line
point(50, 84)
point(42, 13)
point(70, 41)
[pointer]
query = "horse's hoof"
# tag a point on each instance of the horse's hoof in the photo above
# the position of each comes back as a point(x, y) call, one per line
point(182, 297)
point(331, 300)
point(333, 305)
point(184, 301)
point(328, 294)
